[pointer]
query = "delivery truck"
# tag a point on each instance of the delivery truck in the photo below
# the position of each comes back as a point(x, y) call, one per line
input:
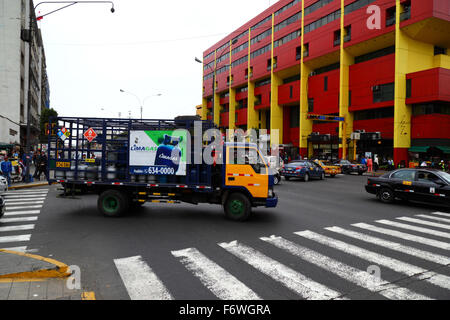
point(129, 162)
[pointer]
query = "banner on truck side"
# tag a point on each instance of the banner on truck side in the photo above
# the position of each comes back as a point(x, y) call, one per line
point(160, 152)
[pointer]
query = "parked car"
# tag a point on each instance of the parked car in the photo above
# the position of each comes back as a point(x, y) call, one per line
point(303, 169)
point(276, 164)
point(329, 168)
point(348, 167)
point(3, 184)
point(2, 206)
point(424, 185)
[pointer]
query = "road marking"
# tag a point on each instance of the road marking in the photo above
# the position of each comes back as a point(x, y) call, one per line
point(12, 220)
point(21, 238)
point(442, 214)
point(140, 280)
point(405, 236)
point(224, 285)
point(30, 190)
point(18, 249)
point(21, 202)
point(26, 200)
point(17, 228)
point(22, 197)
point(290, 278)
point(23, 207)
point(427, 223)
point(414, 228)
point(378, 259)
point(15, 194)
point(433, 218)
point(19, 213)
point(88, 296)
point(425, 255)
point(354, 275)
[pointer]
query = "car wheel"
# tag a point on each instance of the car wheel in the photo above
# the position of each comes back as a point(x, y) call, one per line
point(276, 179)
point(386, 195)
point(306, 178)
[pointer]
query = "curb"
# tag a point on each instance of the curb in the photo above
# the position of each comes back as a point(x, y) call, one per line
point(28, 186)
point(61, 270)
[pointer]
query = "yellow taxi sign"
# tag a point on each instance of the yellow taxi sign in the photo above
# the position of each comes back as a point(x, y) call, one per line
point(407, 183)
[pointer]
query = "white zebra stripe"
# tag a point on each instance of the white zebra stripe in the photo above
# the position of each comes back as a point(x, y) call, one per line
point(23, 207)
point(12, 220)
point(21, 238)
point(20, 213)
point(427, 223)
point(356, 276)
point(24, 193)
point(224, 285)
point(378, 259)
point(290, 278)
point(433, 218)
point(405, 236)
point(21, 202)
point(425, 255)
point(442, 214)
point(17, 228)
point(17, 249)
point(25, 201)
point(414, 228)
point(140, 280)
point(23, 196)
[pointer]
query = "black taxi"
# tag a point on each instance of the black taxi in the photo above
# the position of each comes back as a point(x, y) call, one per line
point(424, 185)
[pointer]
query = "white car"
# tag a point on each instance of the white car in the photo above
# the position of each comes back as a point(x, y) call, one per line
point(3, 184)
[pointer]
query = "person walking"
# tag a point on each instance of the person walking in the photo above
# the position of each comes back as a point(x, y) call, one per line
point(6, 169)
point(370, 165)
point(376, 163)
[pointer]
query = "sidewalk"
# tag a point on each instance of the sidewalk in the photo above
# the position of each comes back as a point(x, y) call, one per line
point(23, 185)
point(30, 277)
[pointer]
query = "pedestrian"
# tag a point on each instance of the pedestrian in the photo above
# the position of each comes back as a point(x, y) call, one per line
point(6, 169)
point(363, 160)
point(376, 163)
point(369, 165)
point(41, 167)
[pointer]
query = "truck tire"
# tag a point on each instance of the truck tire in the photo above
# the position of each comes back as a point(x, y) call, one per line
point(113, 203)
point(237, 207)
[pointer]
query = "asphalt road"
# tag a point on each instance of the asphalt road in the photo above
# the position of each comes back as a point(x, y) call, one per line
point(72, 231)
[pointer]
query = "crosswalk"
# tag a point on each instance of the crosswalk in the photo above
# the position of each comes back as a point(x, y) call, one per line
point(22, 211)
point(406, 250)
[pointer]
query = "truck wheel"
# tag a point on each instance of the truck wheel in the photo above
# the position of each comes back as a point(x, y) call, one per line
point(113, 203)
point(386, 195)
point(237, 207)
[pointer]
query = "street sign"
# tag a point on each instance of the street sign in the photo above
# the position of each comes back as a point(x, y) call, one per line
point(90, 135)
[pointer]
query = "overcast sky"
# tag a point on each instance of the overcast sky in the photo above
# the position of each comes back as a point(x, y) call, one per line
point(146, 47)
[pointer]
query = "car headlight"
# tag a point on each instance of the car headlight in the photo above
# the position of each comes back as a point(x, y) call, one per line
point(271, 193)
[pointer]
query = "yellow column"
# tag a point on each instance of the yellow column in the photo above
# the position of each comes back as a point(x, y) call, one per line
point(252, 114)
point(276, 111)
point(204, 109)
point(345, 128)
point(305, 123)
point(216, 105)
point(232, 98)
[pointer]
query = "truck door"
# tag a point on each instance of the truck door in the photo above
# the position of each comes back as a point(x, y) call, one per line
point(245, 167)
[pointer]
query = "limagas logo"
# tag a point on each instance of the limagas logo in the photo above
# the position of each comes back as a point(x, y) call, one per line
point(142, 148)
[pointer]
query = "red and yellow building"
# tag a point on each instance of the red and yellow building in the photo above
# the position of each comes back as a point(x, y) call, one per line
point(299, 58)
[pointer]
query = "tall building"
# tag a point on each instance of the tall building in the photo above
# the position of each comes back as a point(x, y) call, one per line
point(338, 78)
point(23, 75)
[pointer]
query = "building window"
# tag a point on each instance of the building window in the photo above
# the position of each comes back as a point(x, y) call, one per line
point(390, 17)
point(372, 114)
point(384, 92)
point(431, 108)
point(337, 38)
point(306, 50)
point(375, 54)
point(408, 88)
point(294, 115)
point(298, 53)
point(349, 98)
point(325, 84)
point(347, 33)
point(258, 100)
point(439, 50)
point(311, 105)
point(406, 13)
point(291, 92)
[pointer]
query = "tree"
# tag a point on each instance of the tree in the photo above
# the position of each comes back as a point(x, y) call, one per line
point(45, 116)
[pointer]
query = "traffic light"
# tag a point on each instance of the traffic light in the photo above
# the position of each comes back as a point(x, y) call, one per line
point(50, 129)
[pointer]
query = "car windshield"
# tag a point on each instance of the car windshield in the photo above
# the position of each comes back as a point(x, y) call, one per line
point(297, 164)
point(445, 176)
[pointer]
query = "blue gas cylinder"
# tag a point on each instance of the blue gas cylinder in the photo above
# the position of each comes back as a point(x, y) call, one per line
point(168, 154)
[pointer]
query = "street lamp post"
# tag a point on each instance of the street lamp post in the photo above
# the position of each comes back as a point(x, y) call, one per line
point(33, 29)
point(214, 74)
point(141, 103)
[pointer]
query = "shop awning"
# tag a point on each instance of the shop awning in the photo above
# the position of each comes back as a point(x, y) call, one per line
point(444, 149)
point(418, 149)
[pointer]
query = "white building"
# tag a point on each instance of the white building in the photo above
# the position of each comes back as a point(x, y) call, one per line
point(15, 70)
